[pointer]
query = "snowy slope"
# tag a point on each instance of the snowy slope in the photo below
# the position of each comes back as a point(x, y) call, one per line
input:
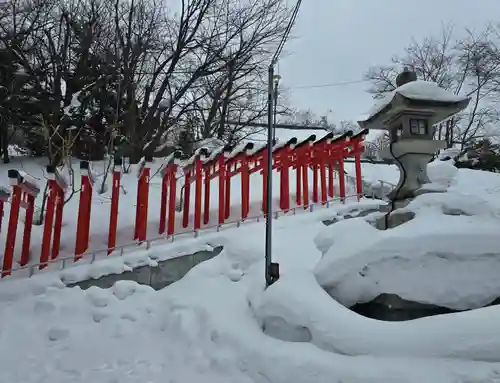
point(208, 326)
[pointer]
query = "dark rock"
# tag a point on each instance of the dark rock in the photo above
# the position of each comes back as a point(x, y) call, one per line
point(328, 222)
point(349, 215)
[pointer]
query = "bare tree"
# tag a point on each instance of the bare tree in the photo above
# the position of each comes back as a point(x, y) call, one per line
point(379, 144)
point(223, 70)
point(345, 126)
point(107, 68)
point(467, 66)
point(19, 20)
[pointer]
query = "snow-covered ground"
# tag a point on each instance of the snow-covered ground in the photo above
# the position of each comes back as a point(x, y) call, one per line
point(208, 327)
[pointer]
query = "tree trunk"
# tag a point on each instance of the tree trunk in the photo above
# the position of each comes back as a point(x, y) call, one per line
point(225, 103)
point(4, 140)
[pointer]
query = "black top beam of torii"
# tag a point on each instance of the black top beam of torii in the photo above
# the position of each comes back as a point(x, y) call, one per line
point(278, 126)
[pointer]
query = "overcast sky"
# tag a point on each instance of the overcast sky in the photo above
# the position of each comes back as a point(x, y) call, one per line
point(337, 40)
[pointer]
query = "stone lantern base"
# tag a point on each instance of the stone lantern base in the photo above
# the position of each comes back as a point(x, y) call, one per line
point(411, 156)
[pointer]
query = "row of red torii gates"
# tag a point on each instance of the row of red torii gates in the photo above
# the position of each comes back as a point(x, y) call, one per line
point(324, 156)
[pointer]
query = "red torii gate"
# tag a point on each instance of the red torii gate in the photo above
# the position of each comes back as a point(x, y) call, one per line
point(334, 155)
point(84, 210)
point(142, 204)
point(169, 189)
point(355, 149)
point(193, 168)
point(57, 186)
point(300, 160)
point(115, 197)
point(21, 185)
point(219, 165)
point(282, 161)
point(318, 155)
point(280, 155)
point(319, 162)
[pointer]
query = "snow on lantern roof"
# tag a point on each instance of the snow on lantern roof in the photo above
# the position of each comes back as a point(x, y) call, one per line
point(417, 91)
point(430, 91)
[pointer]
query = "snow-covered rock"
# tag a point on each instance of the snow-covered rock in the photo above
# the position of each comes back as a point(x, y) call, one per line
point(442, 172)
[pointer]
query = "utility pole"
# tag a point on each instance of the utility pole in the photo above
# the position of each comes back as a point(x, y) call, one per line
point(276, 80)
point(272, 269)
point(270, 276)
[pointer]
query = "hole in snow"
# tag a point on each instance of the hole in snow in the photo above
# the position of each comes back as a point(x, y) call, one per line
point(56, 334)
point(454, 211)
point(390, 307)
point(279, 328)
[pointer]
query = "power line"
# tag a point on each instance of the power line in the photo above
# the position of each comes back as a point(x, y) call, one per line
point(329, 85)
point(289, 27)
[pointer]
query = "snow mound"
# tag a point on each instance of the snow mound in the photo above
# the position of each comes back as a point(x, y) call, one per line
point(299, 302)
point(442, 172)
point(448, 255)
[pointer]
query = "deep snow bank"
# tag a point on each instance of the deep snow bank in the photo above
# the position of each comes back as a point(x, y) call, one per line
point(448, 255)
point(207, 327)
point(301, 303)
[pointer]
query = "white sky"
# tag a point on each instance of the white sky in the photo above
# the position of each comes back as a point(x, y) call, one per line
point(337, 40)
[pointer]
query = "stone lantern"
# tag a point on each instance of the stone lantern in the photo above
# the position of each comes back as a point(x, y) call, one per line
point(409, 114)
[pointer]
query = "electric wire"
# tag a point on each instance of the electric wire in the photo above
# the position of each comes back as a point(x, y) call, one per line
point(285, 36)
point(329, 85)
